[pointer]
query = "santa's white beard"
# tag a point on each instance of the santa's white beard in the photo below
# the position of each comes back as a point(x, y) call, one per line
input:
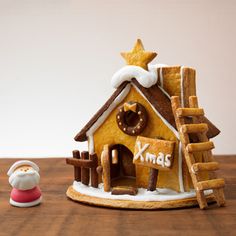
point(24, 180)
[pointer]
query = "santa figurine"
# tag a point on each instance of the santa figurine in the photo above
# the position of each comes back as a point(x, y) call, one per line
point(24, 178)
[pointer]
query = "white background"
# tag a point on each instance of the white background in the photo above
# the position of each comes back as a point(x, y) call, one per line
point(57, 58)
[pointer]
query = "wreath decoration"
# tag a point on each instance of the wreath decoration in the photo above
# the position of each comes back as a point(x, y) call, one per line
point(125, 121)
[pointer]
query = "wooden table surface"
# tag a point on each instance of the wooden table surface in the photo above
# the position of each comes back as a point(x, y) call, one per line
point(59, 216)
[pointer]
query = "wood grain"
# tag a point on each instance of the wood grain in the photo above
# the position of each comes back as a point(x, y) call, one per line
point(59, 216)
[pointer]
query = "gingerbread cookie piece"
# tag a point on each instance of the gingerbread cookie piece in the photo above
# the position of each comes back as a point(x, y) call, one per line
point(138, 56)
point(139, 160)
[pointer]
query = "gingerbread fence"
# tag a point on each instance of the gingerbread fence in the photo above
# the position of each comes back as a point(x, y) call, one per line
point(85, 165)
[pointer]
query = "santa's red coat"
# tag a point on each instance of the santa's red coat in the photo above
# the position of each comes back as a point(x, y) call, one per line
point(25, 195)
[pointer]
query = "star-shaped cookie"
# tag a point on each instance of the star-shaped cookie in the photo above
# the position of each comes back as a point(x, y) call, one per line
point(138, 56)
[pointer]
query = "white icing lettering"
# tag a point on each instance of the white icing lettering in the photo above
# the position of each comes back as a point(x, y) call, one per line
point(141, 150)
point(167, 160)
point(150, 158)
point(161, 160)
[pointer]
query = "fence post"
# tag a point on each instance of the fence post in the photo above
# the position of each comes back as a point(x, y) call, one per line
point(77, 170)
point(94, 174)
point(152, 179)
point(85, 171)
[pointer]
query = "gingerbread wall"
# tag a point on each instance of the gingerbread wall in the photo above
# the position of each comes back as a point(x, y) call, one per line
point(109, 133)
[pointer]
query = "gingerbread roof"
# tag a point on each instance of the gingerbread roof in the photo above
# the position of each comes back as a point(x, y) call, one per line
point(156, 97)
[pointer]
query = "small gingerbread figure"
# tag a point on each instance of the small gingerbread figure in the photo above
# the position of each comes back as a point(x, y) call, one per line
point(24, 178)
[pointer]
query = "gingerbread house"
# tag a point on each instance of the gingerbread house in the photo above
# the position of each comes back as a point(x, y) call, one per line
point(138, 154)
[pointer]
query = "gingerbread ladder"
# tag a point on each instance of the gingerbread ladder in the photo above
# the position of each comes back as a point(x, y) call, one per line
point(198, 127)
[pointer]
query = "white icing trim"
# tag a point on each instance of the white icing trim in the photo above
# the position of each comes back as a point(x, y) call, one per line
point(22, 163)
point(26, 204)
point(181, 82)
point(180, 171)
point(160, 116)
point(161, 78)
point(91, 144)
point(167, 94)
point(161, 194)
point(105, 114)
point(144, 77)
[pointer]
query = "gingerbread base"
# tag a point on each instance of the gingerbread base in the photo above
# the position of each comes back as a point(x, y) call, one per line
point(127, 204)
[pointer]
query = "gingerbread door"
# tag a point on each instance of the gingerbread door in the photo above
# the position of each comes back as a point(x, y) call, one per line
point(121, 165)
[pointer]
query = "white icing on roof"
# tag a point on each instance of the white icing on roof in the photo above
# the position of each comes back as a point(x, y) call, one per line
point(146, 78)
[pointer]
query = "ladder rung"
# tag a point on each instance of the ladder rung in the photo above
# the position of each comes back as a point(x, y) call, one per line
point(210, 184)
point(194, 128)
point(207, 166)
point(189, 112)
point(199, 147)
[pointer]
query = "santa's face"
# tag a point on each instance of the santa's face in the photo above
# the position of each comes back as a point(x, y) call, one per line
point(24, 178)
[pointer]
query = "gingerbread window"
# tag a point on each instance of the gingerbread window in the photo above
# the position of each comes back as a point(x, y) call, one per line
point(132, 118)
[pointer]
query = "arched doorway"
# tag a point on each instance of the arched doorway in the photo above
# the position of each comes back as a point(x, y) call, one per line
point(123, 172)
